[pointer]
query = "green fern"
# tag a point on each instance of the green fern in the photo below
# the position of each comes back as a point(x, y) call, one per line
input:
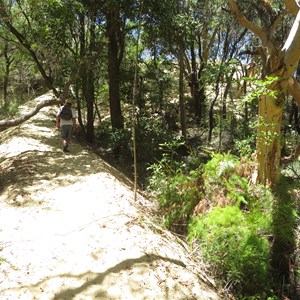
point(225, 166)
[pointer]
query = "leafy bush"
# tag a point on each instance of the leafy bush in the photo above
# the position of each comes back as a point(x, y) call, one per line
point(113, 138)
point(11, 110)
point(223, 182)
point(235, 239)
point(245, 147)
point(177, 188)
point(179, 199)
point(235, 243)
point(150, 133)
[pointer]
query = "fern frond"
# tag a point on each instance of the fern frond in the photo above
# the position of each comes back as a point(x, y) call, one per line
point(225, 166)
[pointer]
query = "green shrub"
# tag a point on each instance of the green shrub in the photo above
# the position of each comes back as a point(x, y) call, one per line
point(113, 138)
point(235, 243)
point(235, 239)
point(177, 188)
point(245, 147)
point(179, 199)
point(221, 177)
point(102, 134)
point(11, 110)
point(150, 133)
point(218, 167)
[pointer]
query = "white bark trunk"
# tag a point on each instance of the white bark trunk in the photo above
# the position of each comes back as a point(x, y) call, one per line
point(292, 49)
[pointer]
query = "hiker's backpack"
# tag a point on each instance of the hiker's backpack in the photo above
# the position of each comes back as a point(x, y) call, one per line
point(66, 113)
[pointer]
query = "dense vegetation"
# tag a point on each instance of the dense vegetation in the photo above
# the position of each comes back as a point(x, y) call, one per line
point(182, 83)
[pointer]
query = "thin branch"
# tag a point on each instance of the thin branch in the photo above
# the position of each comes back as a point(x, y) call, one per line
point(141, 4)
point(278, 19)
point(241, 19)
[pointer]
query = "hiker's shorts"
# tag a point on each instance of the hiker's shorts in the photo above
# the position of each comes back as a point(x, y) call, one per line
point(66, 132)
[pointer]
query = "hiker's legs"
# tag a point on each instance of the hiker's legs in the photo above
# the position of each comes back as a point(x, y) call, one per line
point(66, 133)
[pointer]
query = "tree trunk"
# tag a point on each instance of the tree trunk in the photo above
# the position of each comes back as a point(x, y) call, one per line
point(90, 91)
point(196, 84)
point(294, 118)
point(211, 118)
point(211, 108)
point(282, 62)
point(114, 68)
point(181, 89)
point(81, 83)
point(268, 139)
point(8, 62)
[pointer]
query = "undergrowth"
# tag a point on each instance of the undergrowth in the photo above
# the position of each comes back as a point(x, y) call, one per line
point(226, 217)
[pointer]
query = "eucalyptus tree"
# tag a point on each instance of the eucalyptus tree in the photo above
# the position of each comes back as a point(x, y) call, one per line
point(276, 26)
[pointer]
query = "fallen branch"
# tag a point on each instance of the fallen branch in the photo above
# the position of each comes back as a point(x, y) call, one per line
point(11, 123)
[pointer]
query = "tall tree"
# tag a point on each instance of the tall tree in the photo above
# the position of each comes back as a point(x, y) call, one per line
point(87, 47)
point(7, 20)
point(280, 59)
point(8, 61)
point(116, 41)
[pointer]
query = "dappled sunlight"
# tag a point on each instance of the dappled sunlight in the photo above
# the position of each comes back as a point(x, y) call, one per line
point(69, 228)
point(18, 145)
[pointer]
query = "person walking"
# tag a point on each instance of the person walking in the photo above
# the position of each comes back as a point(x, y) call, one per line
point(66, 122)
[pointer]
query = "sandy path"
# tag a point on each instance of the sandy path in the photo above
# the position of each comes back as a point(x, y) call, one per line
point(69, 228)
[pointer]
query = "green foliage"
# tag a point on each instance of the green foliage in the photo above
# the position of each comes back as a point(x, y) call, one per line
point(292, 170)
point(234, 239)
point(261, 88)
point(150, 133)
point(235, 243)
point(245, 147)
point(241, 239)
point(112, 137)
point(219, 165)
point(178, 188)
point(284, 228)
point(178, 201)
point(221, 178)
point(11, 110)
